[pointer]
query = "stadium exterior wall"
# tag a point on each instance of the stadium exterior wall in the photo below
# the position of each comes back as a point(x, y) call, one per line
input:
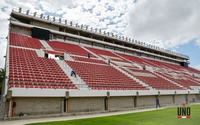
point(86, 104)
point(179, 99)
point(116, 103)
point(145, 101)
point(55, 105)
point(192, 98)
point(45, 25)
point(21, 30)
point(167, 100)
point(36, 106)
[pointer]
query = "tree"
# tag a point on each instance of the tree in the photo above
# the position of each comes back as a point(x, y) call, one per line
point(2, 75)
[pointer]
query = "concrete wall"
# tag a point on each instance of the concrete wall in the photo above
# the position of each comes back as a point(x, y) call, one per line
point(51, 105)
point(20, 30)
point(38, 105)
point(85, 104)
point(197, 97)
point(116, 103)
point(166, 100)
point(143, 101)
point(45, 25)
point(192, 98)
point(180, 99)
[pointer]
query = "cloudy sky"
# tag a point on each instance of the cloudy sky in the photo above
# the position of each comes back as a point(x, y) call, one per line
point(171, 24)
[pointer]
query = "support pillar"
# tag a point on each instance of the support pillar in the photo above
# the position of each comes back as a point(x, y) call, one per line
point(68, 105)
point(108, 101)
point(173, 99)
point(136, 101)
point(67, 102)
point(12, 107)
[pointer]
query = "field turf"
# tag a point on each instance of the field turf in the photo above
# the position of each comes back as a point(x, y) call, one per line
point(157, 117)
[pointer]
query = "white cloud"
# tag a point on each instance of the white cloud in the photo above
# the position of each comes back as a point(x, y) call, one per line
point(197, 67)
point(3, 34)
point(99, 15)
point(93, 13)
point(53, 6)
point(198, 41)
point(173, 22)
point(165, 23)
point(3, 45)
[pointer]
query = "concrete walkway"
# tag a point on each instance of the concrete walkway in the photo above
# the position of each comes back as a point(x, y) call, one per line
point(27, 121)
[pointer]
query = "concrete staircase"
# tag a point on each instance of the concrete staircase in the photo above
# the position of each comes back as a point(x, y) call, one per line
point(68, 57)
point(131, 76)
point(45, 44)
point(122, 71)
point(168, 80)
point(80, 84)
point(91, 52)
point(40, 52)
point(137, 65)
point(99, 57)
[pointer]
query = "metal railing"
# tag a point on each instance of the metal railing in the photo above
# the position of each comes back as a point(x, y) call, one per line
point(105, 86)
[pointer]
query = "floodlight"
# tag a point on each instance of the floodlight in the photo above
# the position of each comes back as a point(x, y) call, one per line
point(27, 12)
point(41, 16)
point(20, 10)
point(34, 14)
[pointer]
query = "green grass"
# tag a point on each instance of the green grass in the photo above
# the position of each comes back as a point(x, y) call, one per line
point(158, 117)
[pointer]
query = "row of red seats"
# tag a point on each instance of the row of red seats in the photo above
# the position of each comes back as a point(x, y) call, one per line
point(23, 84)
point(36, 70)
point(24, 41)
point(68, 48)
point(25, 65)
point(110, 55)
point(88, 60)
point(153, 80)
point(94, 74)
point(184, 82)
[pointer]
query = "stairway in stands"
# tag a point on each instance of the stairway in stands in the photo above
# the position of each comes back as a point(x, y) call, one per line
point(80, 84)
point(45, 44)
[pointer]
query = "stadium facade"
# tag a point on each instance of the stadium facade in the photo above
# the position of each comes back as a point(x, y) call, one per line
point(110, 72)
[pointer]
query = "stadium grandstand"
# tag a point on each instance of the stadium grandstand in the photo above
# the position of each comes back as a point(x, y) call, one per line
point(55, 66)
